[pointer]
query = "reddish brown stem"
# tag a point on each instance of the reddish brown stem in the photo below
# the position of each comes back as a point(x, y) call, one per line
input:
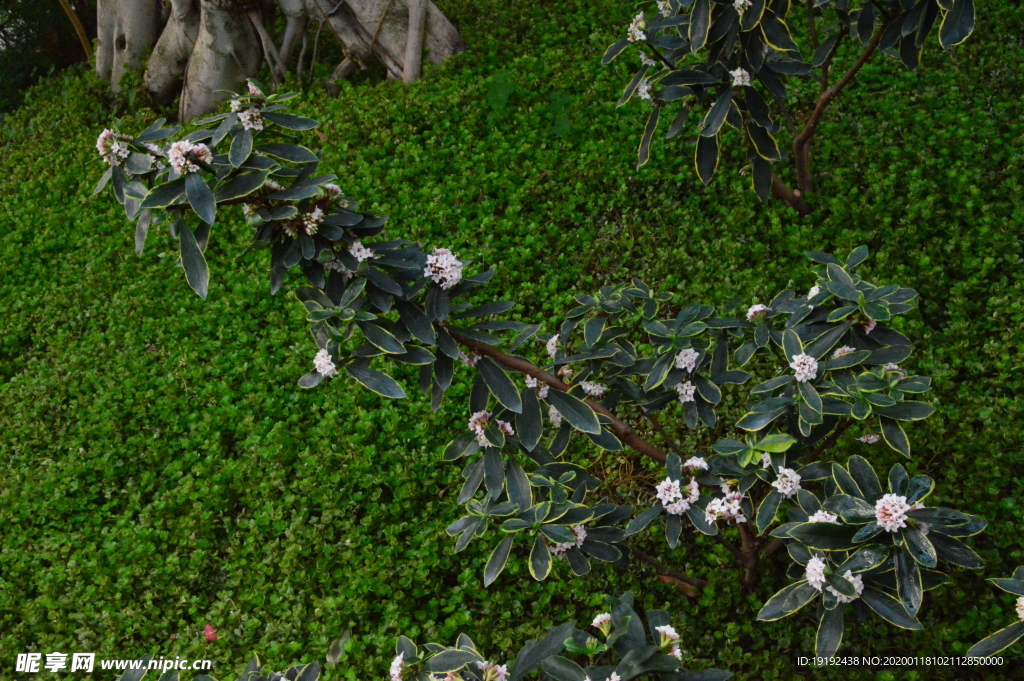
point(791, 197)
point(802, 142)
point(621, 430)
point(748, 547)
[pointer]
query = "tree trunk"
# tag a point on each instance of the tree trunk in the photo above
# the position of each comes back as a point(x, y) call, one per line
point(127, 30)
point(414, 43)
point(208, 45)
point(166, 68)
point(227, 52)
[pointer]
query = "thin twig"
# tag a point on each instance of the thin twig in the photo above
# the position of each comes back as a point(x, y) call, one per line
point(812, 22)
point(667, 571)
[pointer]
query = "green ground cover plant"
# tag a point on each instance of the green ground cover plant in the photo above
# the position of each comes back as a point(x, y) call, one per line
point(163, 473)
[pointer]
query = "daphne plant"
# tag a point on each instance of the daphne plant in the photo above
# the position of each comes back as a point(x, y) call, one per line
point(877, 549)
point(627, 369)
point(732, 62)
point(1007, 636)
point(620, 646)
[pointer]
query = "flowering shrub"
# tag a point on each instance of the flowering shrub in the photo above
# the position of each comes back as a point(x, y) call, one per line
point(619, 646)
point(827, 360)
point(711, 57)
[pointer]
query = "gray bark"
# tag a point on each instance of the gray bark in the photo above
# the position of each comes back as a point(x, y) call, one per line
point(414, 43)
point(127, 30)
point(166, 68)
point(202, 46)
point(227, 52)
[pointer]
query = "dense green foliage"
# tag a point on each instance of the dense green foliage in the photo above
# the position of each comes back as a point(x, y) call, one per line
point(161, 470)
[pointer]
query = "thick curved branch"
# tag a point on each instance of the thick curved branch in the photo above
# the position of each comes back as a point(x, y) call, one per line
point(617, 426)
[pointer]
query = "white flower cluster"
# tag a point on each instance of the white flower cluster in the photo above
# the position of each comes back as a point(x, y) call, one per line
point(670, 495)
point(251, 119)
point(273, 185)
point(740, 77)
point(593, 389)
point(492, 672)
point(565, 371)
point(728, 507)
point(1020, 608)
point(845, 350)
point(541, 388)
point(670, 638)
point(686, 391)
point(324, 364)
point(788, 482)
point(894, 368)
point(695, 462)
point(756, 312)
point(870, 438)
point(156, 154)
point(469, 360)
point(338, 266)
point(113, 146)
point(182, 155)
point(687, 359)
point(552, 346)
point(891, 512)
point(444, 268)
point(665, 7)
point(766, 459)
point(311, 221)
point(635, 33)
point(361, 252)
point(870, 325)
point(815, 573)
point(741, 5)
point(602, 621)
point(554, 416)
point(646, 60)
point(804, 367)
point(331, 188)
point(558, 550)
point(815, 290)
point(643, 90)
point(824, 517)
point(396, 664)
point(858, 584)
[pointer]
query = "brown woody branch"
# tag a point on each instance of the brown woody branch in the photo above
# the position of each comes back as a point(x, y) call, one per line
point(802, 142)
point(623, 431)
point(666, 571)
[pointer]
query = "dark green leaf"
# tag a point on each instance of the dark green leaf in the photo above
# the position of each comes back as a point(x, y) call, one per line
point(290, 122)
point(499, 557)
point(380, 383)
point(576, 412)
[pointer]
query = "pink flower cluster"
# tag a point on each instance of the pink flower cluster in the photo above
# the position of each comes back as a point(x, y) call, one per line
point(478, 423)
point(183, 156)
point(113, 146)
